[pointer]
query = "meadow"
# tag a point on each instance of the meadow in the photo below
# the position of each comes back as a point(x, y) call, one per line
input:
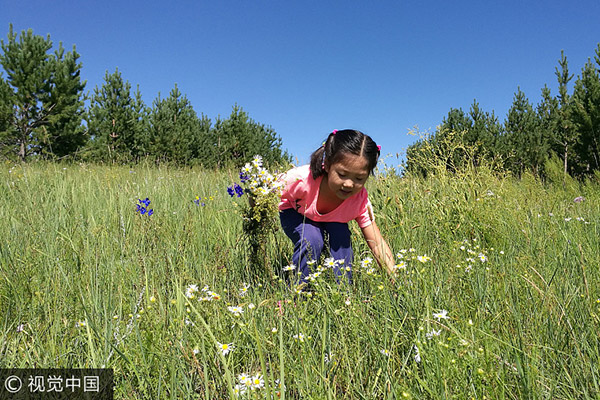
point(497, 292)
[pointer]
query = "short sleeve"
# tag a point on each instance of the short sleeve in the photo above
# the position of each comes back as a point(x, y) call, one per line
point(366, 216)
point(293, 189)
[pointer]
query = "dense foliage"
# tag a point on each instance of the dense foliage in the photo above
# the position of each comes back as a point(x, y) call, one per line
point(565, 127)
point(43, 115)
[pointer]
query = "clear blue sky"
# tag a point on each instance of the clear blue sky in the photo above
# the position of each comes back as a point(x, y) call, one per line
point(308, 67)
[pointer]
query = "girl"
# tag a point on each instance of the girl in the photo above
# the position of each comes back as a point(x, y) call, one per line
point(321, 198)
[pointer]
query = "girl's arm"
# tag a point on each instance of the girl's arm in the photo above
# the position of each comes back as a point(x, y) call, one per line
point(379, 247)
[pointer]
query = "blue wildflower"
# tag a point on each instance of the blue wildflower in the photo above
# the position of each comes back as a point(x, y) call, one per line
point(235, 190)
point(145, 202)
point(142, 207)
point(238, 190)
point(244, 177)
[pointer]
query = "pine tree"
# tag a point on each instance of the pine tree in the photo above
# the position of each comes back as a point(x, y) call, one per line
point(204, 149)
point(478, 130)
point(64, 134)
point(141, 125)
point(456, 121)
point(483, 133)
point(29, 72)
point(6, 117)
point(585, 114)
point(117, 121)
point(44, 95)
point(565, 136)
point(238, 138)
point(548, 117)
point(449, 140)
point(176, 132)
point(523, 140)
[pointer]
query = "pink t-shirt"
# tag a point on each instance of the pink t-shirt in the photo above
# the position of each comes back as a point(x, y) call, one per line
point(301, 192)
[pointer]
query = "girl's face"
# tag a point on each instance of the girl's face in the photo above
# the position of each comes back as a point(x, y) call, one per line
point(347, 177)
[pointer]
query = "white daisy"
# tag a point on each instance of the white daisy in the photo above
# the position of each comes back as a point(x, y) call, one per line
point(441, 315)
point(314, 276)
point(239, 390)
point(245, 380)
point(417, 354)
point(423, 258)
point(257, 382)
point(290, 267)
point(433, 333)
point(237, 310)
point(299, 337)
point(329, 262)
point(401, 265)
point(190, 291)
point(244, 289)
point(257, 161)
point(225, 348)
point(366, 262)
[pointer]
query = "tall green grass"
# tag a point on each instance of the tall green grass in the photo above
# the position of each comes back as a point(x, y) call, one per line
point(87, 282)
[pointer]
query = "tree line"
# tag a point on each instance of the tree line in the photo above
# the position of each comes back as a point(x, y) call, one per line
point(564, 127)
point(45, 114)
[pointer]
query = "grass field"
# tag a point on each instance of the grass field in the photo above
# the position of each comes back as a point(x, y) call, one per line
point(497, 294)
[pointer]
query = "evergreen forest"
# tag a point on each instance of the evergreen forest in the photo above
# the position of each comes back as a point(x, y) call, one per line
point(45, 114)
point(562, 130)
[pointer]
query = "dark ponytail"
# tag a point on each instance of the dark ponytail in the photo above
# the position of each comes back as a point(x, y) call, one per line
point(339, 143)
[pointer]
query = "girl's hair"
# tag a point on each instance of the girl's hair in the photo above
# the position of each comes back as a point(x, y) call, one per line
point(339, 143)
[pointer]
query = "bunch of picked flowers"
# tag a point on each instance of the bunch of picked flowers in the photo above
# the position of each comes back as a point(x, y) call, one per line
point(256, 181)
point(261, 215)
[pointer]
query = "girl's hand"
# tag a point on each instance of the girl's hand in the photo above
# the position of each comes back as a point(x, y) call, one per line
point(380, 249)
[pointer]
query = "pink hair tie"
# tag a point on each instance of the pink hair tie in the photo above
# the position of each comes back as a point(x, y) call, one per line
point(334, 131)
point(378, 148)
